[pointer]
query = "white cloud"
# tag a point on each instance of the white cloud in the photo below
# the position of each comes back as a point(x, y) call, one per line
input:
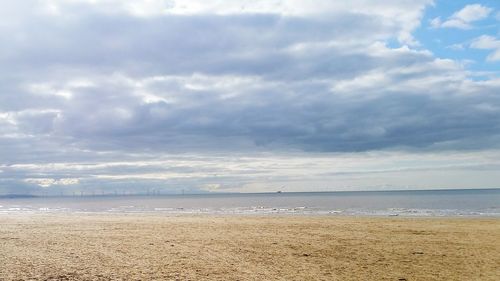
point(7, 118)
point(48, 182)
point(488, 42)
point(457, 47)
point(464, 18)
point(226, 172)
point(47, 89)
point(472, 13)
point(435, 22)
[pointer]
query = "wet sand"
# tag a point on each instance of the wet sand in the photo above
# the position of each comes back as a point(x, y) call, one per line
point(156, 247)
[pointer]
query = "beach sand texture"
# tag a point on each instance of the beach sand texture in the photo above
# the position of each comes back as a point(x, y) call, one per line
point(156, 247)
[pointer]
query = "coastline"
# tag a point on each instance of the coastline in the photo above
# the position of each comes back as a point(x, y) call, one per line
point(78, 246)
point(159, 214)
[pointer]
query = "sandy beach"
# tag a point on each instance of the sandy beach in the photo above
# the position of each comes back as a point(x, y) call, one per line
point(156, 247)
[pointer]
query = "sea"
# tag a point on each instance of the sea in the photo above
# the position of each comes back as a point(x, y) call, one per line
point(420, 203)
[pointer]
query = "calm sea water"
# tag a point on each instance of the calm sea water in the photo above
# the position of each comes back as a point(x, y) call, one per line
point(484, 202)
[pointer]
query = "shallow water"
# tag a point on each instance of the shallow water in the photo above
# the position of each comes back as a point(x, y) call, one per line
point(483, 202)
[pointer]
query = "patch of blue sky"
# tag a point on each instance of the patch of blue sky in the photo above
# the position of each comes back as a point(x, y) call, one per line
point(454, 42)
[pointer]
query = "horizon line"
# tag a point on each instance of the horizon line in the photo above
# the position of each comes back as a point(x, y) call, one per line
point(13, 195)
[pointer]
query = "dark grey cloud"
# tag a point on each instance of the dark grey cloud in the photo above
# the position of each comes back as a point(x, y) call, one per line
point(274, 115)
point(242, 44)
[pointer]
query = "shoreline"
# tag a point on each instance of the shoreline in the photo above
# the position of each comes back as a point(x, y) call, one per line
point(229, 214)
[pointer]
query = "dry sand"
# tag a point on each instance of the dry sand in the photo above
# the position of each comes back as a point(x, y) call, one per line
point(155, 247)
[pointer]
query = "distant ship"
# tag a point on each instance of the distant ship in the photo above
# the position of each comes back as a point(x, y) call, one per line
point(279, 191)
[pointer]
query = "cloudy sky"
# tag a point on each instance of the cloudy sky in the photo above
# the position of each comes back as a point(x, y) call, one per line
point(248, 96)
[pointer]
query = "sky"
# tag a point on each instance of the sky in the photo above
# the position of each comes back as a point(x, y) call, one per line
point(122, 96)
